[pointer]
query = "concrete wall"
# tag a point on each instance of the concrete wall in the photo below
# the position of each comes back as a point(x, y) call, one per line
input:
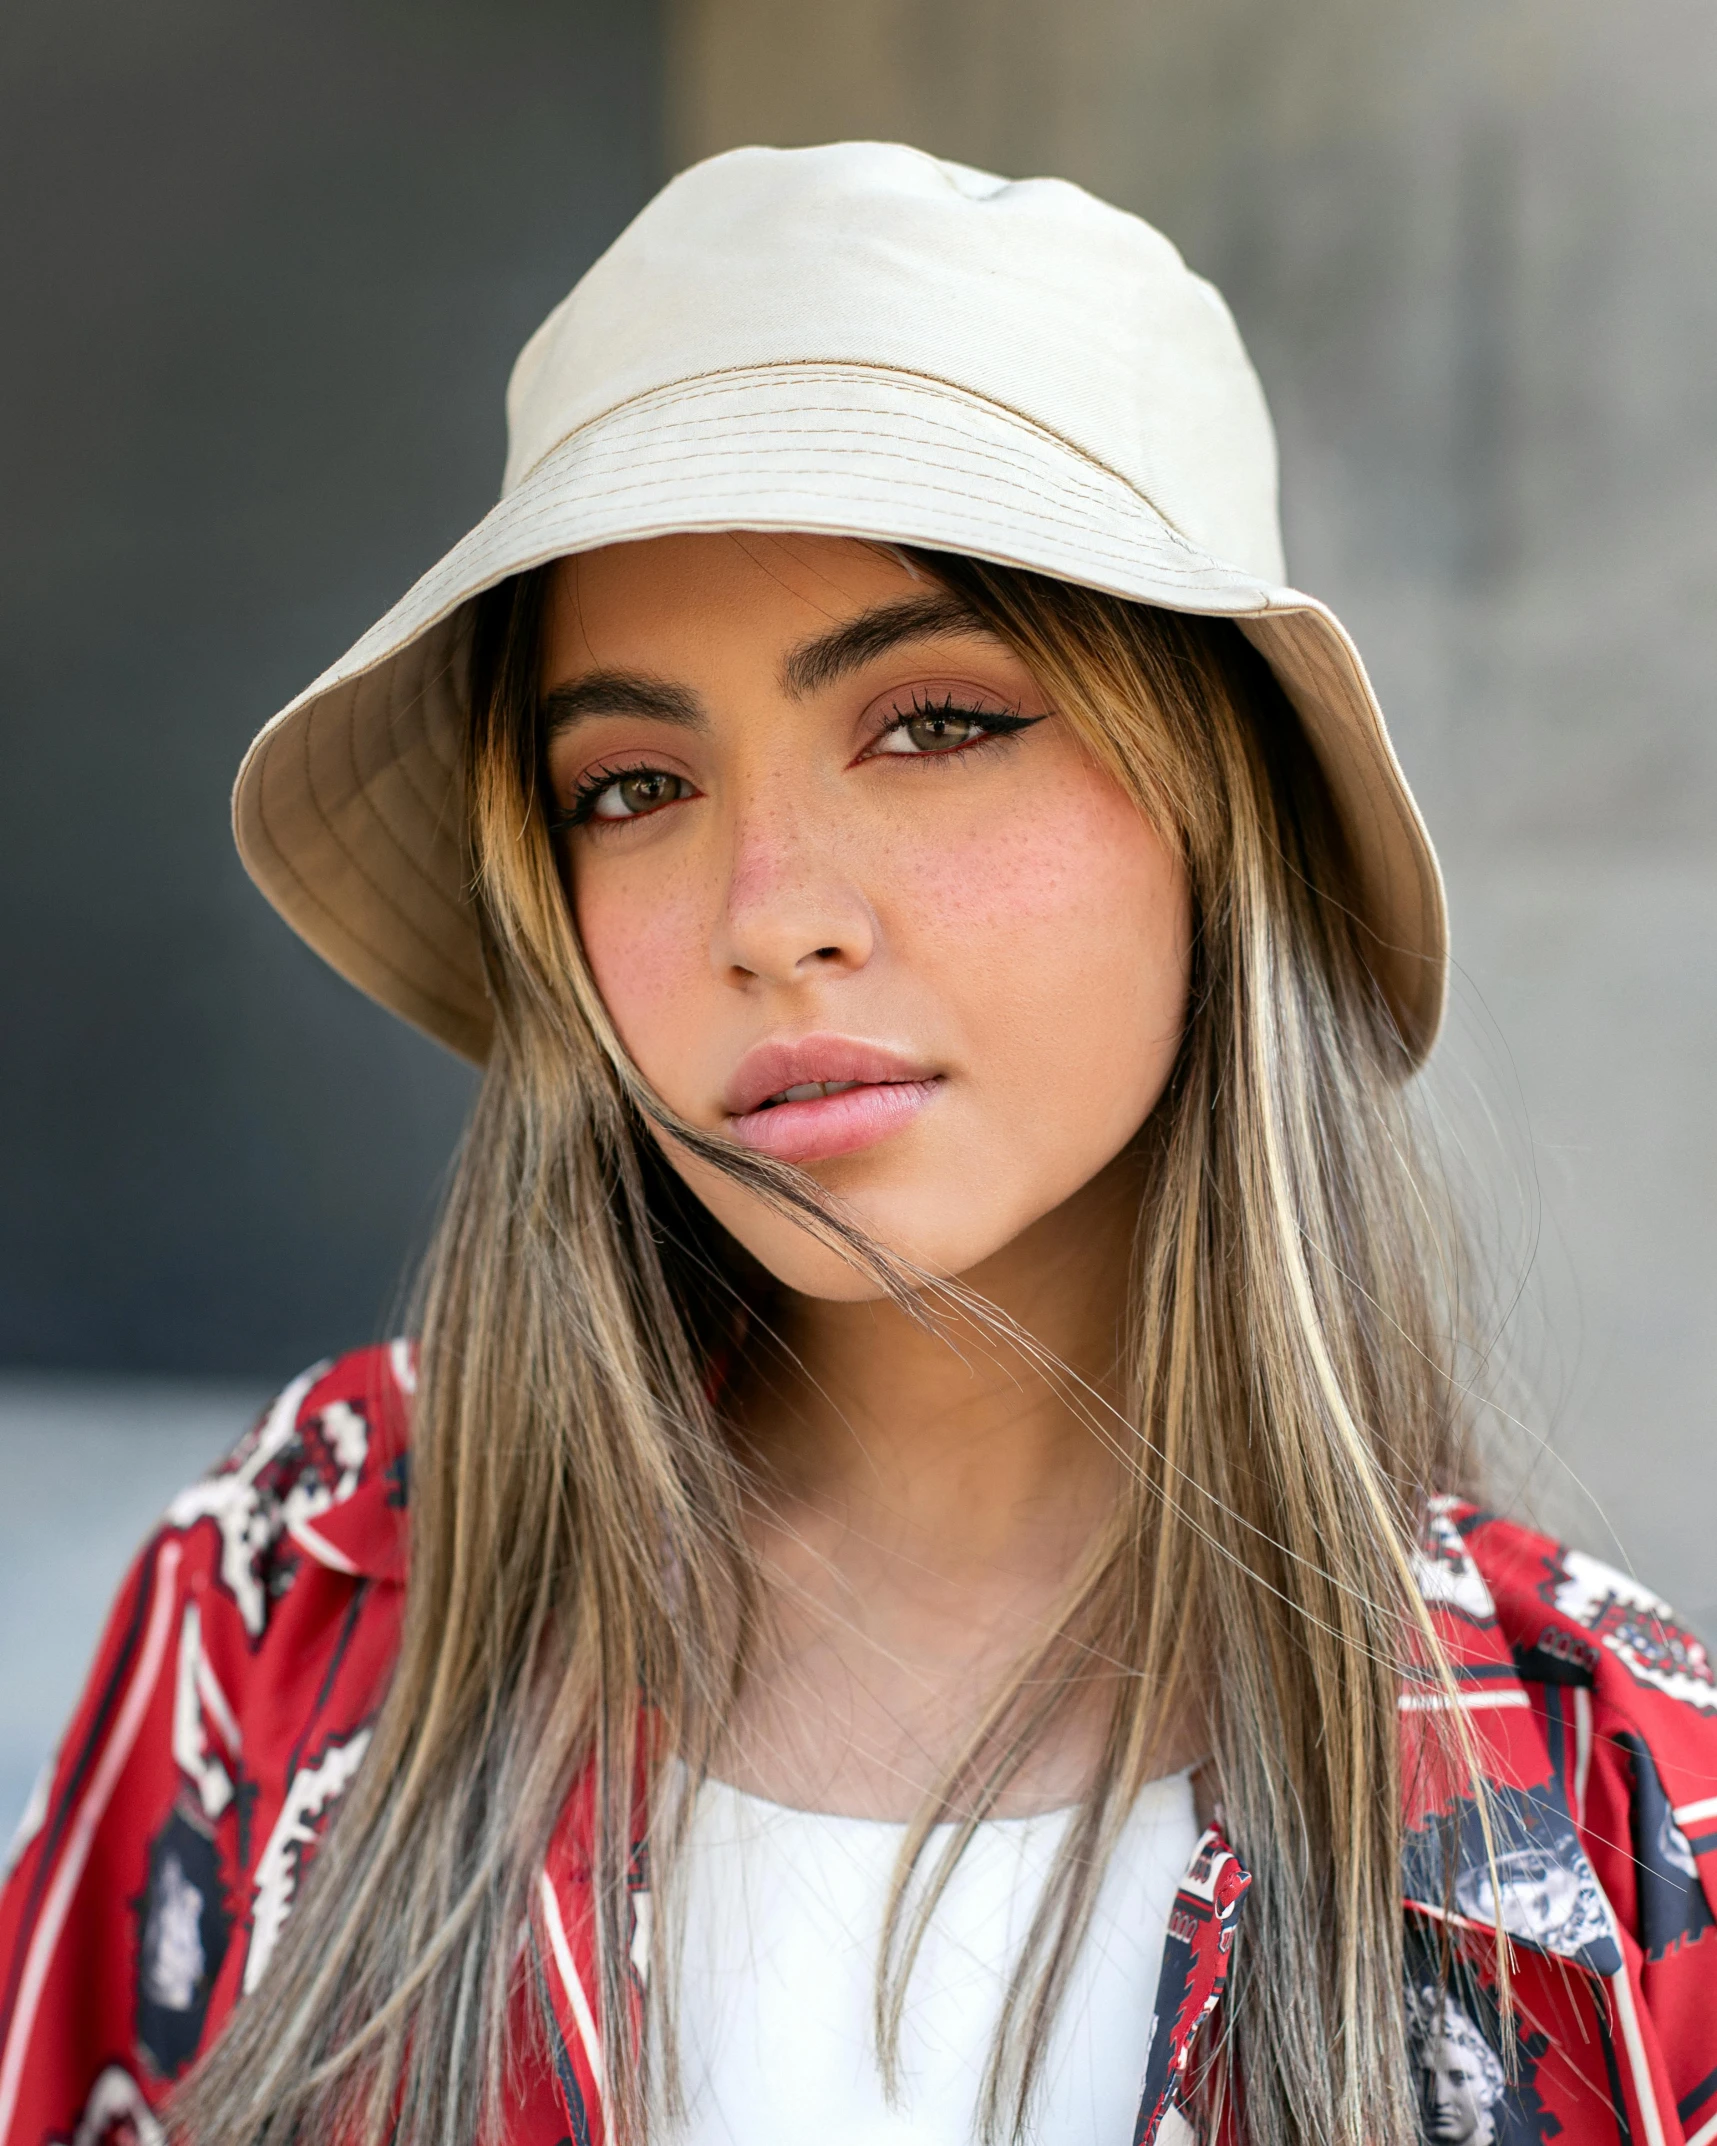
point(264, 270)
point(1469, 242)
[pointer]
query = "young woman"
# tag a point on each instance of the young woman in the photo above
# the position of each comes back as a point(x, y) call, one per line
point(915, 1583)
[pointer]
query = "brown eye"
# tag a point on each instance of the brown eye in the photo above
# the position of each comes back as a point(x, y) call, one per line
point(940, 732)
point(631, 797)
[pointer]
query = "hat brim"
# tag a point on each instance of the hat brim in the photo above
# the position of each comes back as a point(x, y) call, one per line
point(348, 807)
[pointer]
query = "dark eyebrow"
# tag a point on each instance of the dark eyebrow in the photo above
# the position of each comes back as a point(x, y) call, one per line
point(825, 657)
point(620, 693)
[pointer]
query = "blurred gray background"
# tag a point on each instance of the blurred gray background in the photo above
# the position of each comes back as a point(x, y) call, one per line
point(265, 267)
point(266, 271)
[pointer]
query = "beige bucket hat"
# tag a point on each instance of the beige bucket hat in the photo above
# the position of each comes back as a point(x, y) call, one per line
point(857, 340)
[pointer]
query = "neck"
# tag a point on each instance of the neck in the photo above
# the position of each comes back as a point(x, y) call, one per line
point(926, 1497)
point(950, 1431)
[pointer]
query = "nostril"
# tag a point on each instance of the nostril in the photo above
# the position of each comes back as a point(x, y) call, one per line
point(827, 953)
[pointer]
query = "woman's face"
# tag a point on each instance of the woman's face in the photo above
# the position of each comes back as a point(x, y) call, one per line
point(852, 891)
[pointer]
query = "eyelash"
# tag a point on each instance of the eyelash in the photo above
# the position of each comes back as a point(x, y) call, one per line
point(590, 787)
point(993, 724)
point(994, 727)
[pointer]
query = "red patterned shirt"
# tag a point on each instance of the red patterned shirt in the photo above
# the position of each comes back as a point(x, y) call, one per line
point(230, 1704)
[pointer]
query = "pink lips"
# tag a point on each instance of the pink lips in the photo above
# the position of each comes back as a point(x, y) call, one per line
point(876, 1093)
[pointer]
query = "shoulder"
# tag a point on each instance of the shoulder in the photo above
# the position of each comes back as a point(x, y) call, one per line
point(1577, 1615)
point(1569, 1619)
point(1594, 1716)
point(323, 1475)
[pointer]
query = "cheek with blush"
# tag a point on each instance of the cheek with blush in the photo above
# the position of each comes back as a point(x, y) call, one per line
point(1061, 930)
point(645, 938)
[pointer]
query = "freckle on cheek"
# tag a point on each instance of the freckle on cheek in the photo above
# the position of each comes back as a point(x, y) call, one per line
point(1005, 873)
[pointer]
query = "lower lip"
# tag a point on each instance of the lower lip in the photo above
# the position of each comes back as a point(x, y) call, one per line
point(833, 1124)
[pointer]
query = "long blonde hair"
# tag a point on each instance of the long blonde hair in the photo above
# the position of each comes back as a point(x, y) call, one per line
point(578, 1550)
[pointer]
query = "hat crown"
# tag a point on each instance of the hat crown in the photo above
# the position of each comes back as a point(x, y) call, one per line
point(1030, 293)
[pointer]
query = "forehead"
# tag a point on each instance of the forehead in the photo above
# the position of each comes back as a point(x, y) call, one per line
point(684, 601)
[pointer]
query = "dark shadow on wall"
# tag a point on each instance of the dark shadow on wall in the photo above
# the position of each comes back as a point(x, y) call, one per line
point(265, 268)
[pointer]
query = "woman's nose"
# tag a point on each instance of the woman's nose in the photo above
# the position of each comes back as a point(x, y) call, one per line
point(790, 911)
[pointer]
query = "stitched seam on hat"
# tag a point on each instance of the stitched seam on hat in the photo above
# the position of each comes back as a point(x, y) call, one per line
point(1188, 575)
point(435, 801)
point(1012, 475)
point(351, 857)
point(593, 449)
point(935, 411)
point(343, 930)
point(849, 368)
point(739, 450)
point(1088, 479)
point(365, 789)
point(591, 485)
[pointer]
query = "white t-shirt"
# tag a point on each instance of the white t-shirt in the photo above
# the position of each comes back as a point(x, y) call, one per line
point(782, 1922)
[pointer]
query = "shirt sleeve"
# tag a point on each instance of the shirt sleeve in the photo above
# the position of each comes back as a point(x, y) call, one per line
point(91, 1857)
point(1651, 1824)
point(1636, 1694)
point(226, 1715)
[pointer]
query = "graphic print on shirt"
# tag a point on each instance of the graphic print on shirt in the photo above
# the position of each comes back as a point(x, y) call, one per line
point(1637, 1627)
point(183, 1929)
point(1670, 1908)
point(1444, 1568)
point(116, 2114)
point(1542, 1889)
point(280, 1480)
point(1454, 2039)
point(1197, 1951)
point(199, 1707)
point(310, 1795)
point(642, 1907)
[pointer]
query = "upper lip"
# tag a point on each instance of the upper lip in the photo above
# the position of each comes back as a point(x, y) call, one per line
point(768, 1068)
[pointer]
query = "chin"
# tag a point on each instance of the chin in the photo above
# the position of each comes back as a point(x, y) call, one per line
point(913, 1225)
